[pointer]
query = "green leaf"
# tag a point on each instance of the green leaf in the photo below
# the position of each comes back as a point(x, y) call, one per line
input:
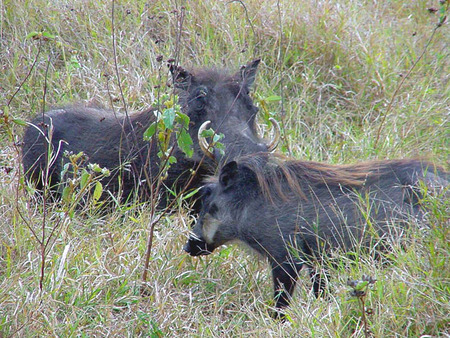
point(106, 172)
point(76, 157)
point(48, 35)
point(95, 167)
point(66, 194)
point(84, 178)
point(151, 130)
point(40, 35)
point(97, 192)
point(172, 160)
point(20, 122)
point(226, 252)
point(208, 133)
point(169, 117)
point(183, 119)
point(169, 102)
point(162, 138)
point(220, 147)
point(74, 64)
point(361, 285)
point(172, 192)
point(32, 35)
point(273, 98)
point(134, 219)
point(218, 137)
point(190, 194)
point(185, 143)
point(65, 169)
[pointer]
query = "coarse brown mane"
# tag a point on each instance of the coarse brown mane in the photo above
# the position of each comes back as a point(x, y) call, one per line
point(280, 178)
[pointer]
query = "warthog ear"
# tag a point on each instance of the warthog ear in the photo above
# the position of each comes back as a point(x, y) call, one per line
point(182, 79)
point(247, 73)
point(228, 174)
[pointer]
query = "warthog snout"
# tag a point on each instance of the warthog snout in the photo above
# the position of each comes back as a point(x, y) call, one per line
point(197, 247)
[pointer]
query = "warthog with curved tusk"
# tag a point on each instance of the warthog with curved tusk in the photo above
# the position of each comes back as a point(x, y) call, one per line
point(117, 143)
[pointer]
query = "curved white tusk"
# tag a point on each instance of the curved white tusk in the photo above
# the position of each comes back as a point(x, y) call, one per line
point(204, 146)
point(276, 135)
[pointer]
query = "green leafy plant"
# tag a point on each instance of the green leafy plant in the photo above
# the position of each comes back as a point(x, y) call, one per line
point(170, 124)
point(359, 289)
point(84, 181)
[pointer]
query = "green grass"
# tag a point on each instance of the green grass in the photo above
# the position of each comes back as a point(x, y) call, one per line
point(337, 65)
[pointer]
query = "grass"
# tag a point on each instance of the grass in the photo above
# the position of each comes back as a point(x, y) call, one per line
point(336, 64)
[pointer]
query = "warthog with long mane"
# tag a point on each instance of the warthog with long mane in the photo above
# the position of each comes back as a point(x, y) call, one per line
point(295, 212)
point(209, 97)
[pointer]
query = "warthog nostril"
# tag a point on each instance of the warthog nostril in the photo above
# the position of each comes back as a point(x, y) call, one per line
point(196, 247)
point(187, 247)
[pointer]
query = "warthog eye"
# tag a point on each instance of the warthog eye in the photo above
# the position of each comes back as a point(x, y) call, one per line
point(213, 209)
point(206, 192)
point(198, 100)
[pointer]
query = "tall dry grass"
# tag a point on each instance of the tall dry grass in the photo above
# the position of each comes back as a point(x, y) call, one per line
point(329, 73)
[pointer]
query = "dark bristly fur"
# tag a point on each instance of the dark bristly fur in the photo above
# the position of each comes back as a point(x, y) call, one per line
point(294, 212)
point(116, 143)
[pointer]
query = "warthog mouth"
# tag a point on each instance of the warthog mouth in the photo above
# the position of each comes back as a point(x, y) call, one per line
point(196, 247)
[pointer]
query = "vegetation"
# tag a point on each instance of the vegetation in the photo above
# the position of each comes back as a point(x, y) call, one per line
point(348, 80)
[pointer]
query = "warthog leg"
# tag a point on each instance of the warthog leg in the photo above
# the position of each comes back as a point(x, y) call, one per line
point(284, 279)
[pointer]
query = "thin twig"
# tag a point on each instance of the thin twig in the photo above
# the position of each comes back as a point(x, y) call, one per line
point(44, 94)
point(281, 75)
point(45, 184)
point(119, 82)
point(180, 23)
point(113, 29)
point(280, 59)
point(256, 50)
point(155, 190)
point(111, 100)
point(134, 140)
point(161, 215)
point(28, 74)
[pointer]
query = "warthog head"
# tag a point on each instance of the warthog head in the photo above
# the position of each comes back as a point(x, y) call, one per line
point(295, 212)
point(214, 99)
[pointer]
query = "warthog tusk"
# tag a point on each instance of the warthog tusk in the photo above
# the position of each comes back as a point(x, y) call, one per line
point(204, 146)
point(276, 137)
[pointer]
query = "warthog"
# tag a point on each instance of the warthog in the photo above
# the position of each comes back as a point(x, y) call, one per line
point(295, 212)
point(209, 97)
